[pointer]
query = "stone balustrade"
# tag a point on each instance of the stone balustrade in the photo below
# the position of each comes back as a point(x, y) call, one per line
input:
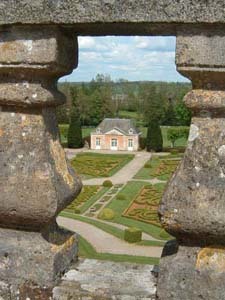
point(37, 46)
point(36, 182)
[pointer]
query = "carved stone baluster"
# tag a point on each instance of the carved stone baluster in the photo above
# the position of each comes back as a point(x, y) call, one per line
point(193, 206)
point(36, 182)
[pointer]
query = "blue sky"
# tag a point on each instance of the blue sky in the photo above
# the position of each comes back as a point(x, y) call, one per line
point(133, 58)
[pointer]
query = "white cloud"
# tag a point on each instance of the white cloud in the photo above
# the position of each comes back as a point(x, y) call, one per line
point(132, 58)
point(86, 42)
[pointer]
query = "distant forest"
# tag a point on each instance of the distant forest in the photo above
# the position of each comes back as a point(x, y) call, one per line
point(141, 100)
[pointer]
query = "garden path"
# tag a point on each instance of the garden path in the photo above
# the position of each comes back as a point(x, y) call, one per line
point(108, 194)
point(126, 173)
point(104, 242)
point(145, 236)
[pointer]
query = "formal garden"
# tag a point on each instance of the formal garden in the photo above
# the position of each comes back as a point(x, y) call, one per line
point(99, 165)
point(126, 211)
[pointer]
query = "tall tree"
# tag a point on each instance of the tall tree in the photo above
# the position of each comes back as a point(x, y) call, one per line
point(170, 115)
point(183, 114)
point(154, 140)
point(75, 132)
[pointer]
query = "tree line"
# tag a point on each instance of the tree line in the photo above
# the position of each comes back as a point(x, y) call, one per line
point(101, 98)
point(153, 104)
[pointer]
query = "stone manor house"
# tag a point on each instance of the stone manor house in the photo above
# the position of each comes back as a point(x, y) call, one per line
point(115, 134)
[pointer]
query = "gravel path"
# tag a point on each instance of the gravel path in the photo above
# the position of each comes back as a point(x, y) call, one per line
point(106, 243)
point(126, 173)
point(145, 236)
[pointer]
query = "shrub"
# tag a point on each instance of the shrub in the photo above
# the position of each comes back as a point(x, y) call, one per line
point(174, 151)
point(107, 183)
point(76, 210)
point(121, 197)
point(154, 140)
point(106, 214)
point(164, 235)
point(132, 235)
point(147, 165)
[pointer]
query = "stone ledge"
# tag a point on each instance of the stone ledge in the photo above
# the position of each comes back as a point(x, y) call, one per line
point(104, 280)
point(93, 12)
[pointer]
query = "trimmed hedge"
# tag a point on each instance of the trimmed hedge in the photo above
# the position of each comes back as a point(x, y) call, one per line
point(164, 235)
point(147, 165)
point(106, 214)
point(121, 197)
point(107, 183)
point(132, 235)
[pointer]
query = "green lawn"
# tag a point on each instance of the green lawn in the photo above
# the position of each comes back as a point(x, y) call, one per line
point(86, 250)
point(166, 143)
point(159, 167)
point(119, 233)
point(131, 190)
point(100, 165)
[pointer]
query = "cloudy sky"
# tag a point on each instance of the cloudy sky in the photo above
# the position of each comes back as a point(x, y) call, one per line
point(133, 58)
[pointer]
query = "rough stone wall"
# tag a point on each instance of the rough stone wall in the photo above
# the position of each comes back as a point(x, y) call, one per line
point(100, 17)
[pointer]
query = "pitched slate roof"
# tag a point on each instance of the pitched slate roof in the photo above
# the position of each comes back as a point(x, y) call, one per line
point(123, 125)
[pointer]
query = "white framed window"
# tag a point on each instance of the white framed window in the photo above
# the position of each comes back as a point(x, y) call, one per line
point(114, 142)
point(98, 142)
point(130, 143)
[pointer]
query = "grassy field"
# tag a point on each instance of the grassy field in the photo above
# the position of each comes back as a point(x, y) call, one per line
point(161, 168)
point(182, 142)
point(131, 190)
point(100, 165)
point(119, 233)
point(86, 250)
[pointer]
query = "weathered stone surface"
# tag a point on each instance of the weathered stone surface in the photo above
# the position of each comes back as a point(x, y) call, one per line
point(102, 280)
point(36, 181)
point(162, 16)
point(192, 208)
point(192, 273)
point(200, 56)
point(39, 258)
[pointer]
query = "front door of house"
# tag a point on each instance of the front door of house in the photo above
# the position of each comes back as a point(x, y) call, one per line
point(98, 143)
point(114, 144)
point(130, 145)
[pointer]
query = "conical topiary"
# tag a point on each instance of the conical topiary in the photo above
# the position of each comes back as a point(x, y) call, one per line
point(154, 140)
point(74, 137)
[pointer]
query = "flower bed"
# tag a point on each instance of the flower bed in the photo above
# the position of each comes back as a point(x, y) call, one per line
point(87, 192)
point(99, 165)
point(144, 207)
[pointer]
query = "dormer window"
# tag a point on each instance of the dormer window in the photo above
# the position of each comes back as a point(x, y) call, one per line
point(131, 131)
point(98, 130)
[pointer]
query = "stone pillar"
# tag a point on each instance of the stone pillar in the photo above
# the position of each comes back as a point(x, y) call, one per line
point(193, 206)
point(36, 182)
